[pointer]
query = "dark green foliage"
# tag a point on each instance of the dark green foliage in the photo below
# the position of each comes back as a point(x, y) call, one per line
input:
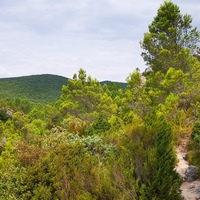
point(37, 88)
point(100, 125)
point(114, 86)
point(4, 115)
point(165, 180)
point(156, 161)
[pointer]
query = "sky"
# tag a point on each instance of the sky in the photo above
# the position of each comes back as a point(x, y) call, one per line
point(61, 36)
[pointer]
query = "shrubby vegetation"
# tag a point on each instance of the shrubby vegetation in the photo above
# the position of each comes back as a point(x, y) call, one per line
point(104, 141)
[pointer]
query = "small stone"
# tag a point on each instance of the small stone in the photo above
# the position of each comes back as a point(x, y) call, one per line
point(191, 174)
point(198, 190)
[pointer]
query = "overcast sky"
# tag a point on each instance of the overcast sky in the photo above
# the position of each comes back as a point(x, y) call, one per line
point(61, 36)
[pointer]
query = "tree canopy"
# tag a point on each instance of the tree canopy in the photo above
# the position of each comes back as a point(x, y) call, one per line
point(98, 142)
point(170, 38)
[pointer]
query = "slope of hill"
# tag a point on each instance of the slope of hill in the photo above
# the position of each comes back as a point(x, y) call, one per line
point(115, 84)
point(44, 88)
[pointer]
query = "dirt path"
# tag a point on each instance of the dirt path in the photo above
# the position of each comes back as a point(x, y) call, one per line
point(189, 190)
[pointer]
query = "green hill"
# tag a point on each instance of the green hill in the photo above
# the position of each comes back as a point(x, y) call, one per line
point(44, 88)
point(114, 84)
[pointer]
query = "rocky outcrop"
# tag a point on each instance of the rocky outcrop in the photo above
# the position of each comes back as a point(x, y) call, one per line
point(191, 173)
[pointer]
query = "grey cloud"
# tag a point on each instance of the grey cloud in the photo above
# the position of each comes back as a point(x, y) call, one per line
point(59, 37)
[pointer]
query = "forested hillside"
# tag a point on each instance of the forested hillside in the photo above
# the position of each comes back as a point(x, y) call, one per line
point(104, 142)
point(45, 88)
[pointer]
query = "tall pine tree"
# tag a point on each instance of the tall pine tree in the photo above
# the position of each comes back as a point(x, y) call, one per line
point(170, 40)
point(164, 182)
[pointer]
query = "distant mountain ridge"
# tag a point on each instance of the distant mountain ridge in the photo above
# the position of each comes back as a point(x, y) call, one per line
point(44, 88)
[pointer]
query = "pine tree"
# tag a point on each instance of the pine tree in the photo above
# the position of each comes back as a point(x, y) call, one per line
point(171, 38)
point(164, 182)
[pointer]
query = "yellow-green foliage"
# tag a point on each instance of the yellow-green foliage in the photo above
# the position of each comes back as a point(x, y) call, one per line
point(104, 142)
